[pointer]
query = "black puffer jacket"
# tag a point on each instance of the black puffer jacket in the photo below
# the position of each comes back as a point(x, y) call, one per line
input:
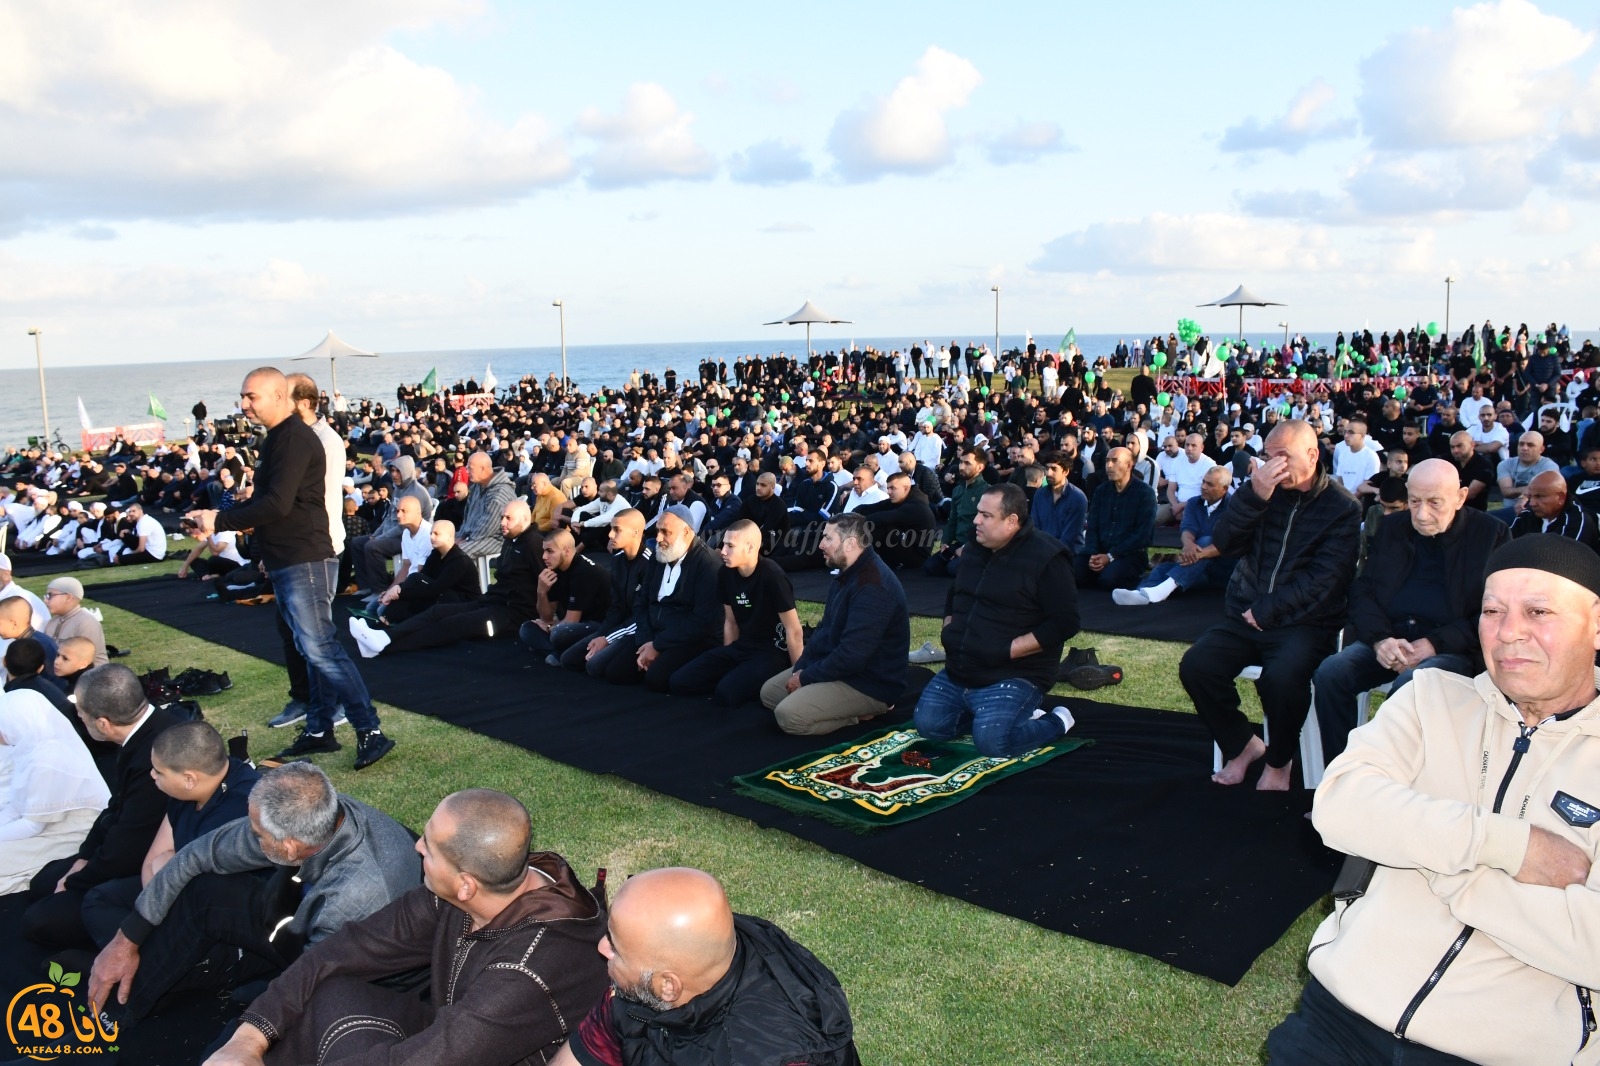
point(1296, 550)
point(1025, 587)
point(1467, 545)
point(777, 1004)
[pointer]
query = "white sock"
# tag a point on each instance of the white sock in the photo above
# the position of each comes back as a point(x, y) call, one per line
point(1067, 721)
point(1157, 593)
point(377, 640)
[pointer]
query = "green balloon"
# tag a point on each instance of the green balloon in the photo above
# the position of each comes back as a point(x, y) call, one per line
point(1400, 393)
point(1158, 360)
point(1163, 399)
point(1433, 329)
point(1239, 370)
point(1088, 379)
point(983, 390)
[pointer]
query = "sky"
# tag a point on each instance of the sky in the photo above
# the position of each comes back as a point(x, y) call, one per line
point(203, 180)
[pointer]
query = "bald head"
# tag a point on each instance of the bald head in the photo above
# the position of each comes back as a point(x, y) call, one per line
point(408, 512)
point(485, 834)
point(1294, 434)
point(16, 617)
point(671, 937)
point(1434, 496)
point(480, 468)
point(1547, 495)
point(442, 535)
point(516, 518)
point(264, 397)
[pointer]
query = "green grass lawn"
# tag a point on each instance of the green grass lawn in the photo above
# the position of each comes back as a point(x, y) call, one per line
point(930, 979)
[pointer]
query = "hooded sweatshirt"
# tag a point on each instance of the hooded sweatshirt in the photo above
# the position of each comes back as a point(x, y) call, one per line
point(1446, 948)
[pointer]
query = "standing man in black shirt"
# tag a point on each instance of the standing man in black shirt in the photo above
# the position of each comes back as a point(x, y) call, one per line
point(289, 514)
point(761, 633)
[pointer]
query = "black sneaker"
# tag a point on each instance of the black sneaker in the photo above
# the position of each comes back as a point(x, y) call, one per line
point(1094, 676)
point(1076, 657)
point(309, 744)
point(370, 747)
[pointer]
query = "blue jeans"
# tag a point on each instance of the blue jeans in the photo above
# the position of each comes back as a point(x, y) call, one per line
point(1205, 574)
point(305, 599)
point(1342, 678)
point(998, 714)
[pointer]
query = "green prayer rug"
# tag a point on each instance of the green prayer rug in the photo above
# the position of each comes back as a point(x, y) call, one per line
point(886, 778)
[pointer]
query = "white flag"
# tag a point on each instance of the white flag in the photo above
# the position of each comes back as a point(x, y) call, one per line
point(83, 415)
point(488, 379)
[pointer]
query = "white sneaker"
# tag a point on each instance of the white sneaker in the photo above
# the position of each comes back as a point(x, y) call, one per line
point(928, 653)
point(1130, 597)
point(369, 640)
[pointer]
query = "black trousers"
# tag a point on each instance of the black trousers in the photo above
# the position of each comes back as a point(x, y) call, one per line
point(348, 1017)
point(447, 623)
point(219, 920)
point(733, 673)
point(106, 905)
point(1287, 655)
point(622, 665)
point(55, 919)
point(1324, 1032)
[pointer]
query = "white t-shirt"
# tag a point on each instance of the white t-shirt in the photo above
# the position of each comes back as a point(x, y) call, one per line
point(1186, 476)
point(415, 547)
point(1467, 411)
point(155, 538)
point(1353, 468)
point(229, 540)
point(1496, 434)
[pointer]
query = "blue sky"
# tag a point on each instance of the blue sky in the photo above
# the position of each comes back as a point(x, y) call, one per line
point(203, 180)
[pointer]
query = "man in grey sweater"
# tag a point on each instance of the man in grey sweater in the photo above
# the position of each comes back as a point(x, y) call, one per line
point(207, 919)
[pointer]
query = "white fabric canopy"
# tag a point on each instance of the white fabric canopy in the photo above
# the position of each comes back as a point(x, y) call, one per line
point(808, 313)
point(332, 349)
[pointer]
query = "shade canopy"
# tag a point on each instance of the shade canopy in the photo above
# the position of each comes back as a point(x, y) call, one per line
point(809, 313)
point(332, 349)
point(1242, 297)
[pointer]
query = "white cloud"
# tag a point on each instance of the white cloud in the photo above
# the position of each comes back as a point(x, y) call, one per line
point(1303, 123)
point(294, 110)
point(773, 162)
point(1204, 243)
point(1494, 74)
point(1026, 142)
point(904, 132)
point(647, 141)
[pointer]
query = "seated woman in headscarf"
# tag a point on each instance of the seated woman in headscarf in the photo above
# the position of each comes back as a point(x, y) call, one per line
point(50, 791)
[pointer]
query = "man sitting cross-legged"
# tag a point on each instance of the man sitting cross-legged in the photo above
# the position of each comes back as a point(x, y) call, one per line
point(445, 576)
point(572, 587)
point(500, 612)
point(334, 860)
point(1199, 565)
point(1297, 532)
point(1416, 602)
point(760, 630)
point(693, 982)
point(1012, 606)
point(677, 613)
point(854, 665)
point(509, 937)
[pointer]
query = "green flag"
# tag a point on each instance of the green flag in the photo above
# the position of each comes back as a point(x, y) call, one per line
point(156, 410)
point(1070, 339)
point(430, 384)
point(1477, 349)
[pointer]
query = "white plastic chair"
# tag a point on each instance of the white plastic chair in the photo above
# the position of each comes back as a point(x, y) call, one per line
point(483, 573)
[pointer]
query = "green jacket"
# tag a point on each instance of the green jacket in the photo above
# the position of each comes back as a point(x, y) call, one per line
point(963, 509)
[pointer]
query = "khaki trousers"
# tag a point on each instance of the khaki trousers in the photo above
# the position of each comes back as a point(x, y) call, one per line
point(819, 708)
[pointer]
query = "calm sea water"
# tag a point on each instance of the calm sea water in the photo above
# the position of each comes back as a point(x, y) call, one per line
point(120, 394)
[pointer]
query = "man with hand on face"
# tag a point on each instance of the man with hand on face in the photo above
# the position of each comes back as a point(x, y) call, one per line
point(1463, 929)
point(692, 982)
point(1297, 533)
point(572, 588)
point(509, 937)
point(1416, 602)
point(760, 631)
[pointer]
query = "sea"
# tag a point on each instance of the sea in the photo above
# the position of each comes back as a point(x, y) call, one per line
point(121, 394)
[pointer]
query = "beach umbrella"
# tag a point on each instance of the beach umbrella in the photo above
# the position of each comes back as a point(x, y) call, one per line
point(808, 314)
point(1242, 298)
point(333, 349)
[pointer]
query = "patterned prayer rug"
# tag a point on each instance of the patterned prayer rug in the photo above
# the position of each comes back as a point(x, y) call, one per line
point(886, 778)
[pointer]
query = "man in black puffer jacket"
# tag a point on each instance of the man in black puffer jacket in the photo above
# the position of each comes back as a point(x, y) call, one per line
point(1296, 534)
point(694, 983)
point(1013, 604)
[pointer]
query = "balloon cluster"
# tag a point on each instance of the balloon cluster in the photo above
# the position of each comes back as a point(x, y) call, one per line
point(1188, 331)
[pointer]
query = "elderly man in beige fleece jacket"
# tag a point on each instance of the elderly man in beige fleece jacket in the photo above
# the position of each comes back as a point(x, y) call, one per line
point(1475, 936)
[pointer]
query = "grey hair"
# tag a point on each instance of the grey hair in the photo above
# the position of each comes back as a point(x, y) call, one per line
point(297, 801)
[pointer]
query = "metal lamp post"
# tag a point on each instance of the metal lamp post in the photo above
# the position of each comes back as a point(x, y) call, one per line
point(1285, 326)
point(1447, 283)
point(996, 290)
point(563, 311)
point(44, 401)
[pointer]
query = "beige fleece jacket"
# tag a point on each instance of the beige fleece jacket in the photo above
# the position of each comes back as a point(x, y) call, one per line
point(1414, 791)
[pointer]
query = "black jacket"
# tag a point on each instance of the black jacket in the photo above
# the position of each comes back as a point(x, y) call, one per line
point(692, 615)
point(1297, 553)
point(1467, 545)
point(627, 578)
point(289, 508)
point(903, 533)
point(1574, 523)
point(119, 838)
point(1025, 587)
point(448, 578)
point(776, 1004)
point(516, 576)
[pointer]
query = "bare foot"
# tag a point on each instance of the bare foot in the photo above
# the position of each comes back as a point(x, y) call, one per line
point(1275, 778)
point(1234, 770)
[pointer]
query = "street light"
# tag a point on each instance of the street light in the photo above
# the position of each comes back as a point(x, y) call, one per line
point(1447, 283)
point(1285, 326)
point(996, 290)
point(562, 305)
point(44, 402)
